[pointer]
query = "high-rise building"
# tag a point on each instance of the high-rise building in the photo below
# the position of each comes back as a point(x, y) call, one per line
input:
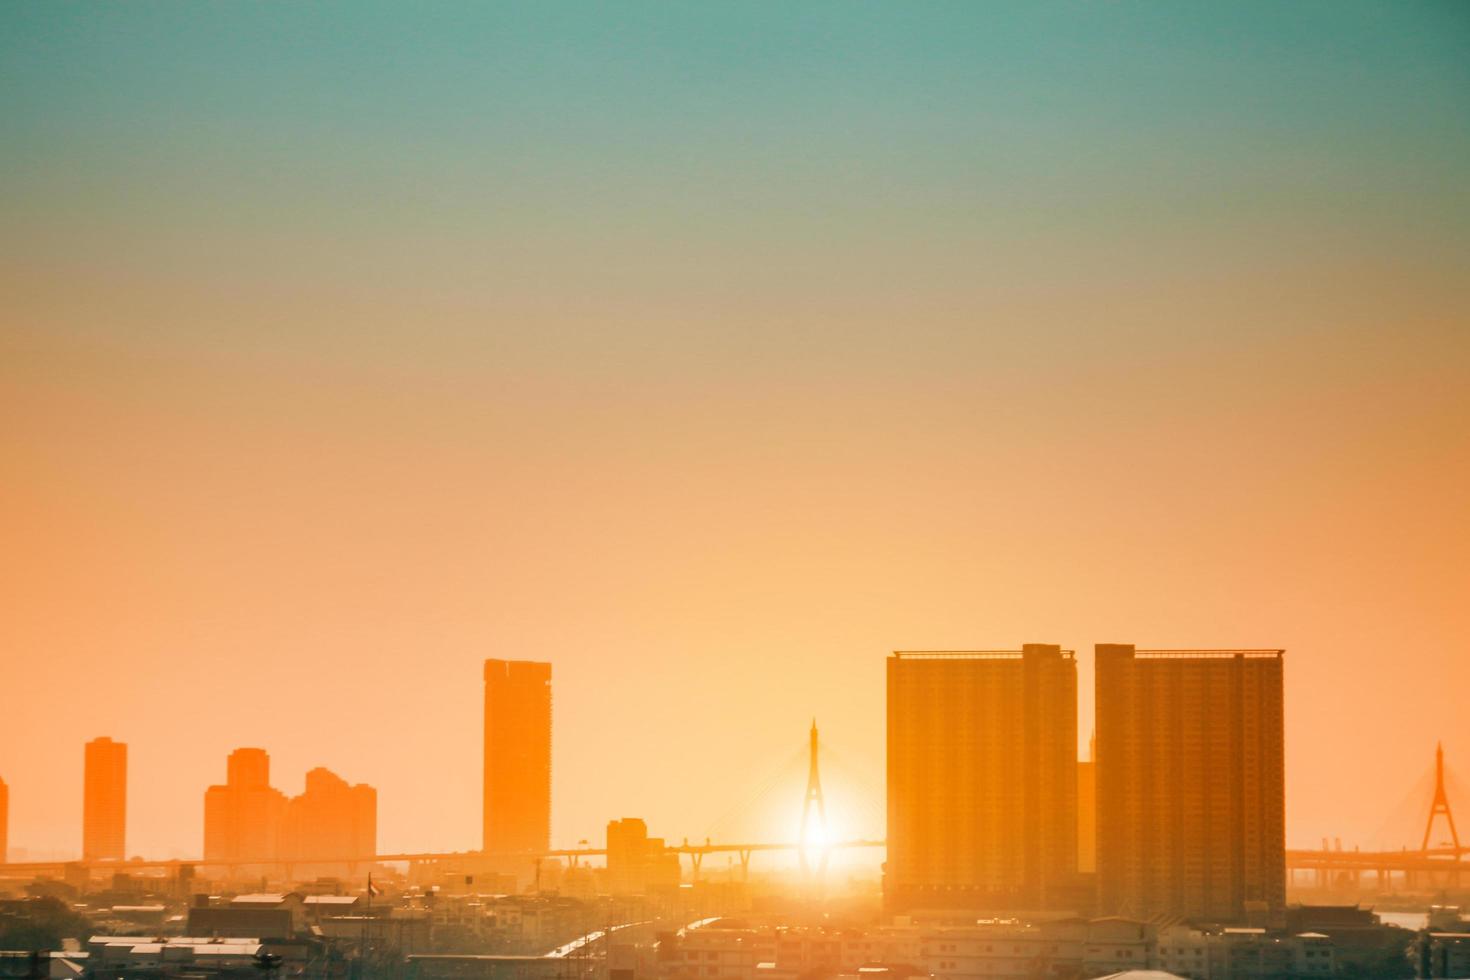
point(4, 821)
point(517, 812)
point(636, 863)
point(104, 800)
point(248, 820)
point(1190, 782)
point(248, 769)
point(331, 819)
point(982, 778)
point(242, 818)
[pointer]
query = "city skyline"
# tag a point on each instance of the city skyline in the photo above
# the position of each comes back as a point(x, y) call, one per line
point(1023, 839)
point(713, 354)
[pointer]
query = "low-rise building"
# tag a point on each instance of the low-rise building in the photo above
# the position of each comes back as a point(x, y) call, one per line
point(722, 950)
point(1313, 955)
point(1116, 944)
point(120, 957)
point(318, 907)
point(271, 915)
point(455, 966)
point(1441, 954)
point(1188, 952)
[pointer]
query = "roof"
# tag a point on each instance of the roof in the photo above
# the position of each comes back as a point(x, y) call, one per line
point(175, 940)
point(482, 958)
point(68, 964)
point(1206, 654)
point(331, 899)
point(193, 946)
point(260, 898)
point(968, 654)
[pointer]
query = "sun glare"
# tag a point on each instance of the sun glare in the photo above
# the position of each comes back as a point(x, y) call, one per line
point(815, 836)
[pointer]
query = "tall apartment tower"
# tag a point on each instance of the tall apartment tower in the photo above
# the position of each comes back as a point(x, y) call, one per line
point(332, 818)
point(1190, 782)
point(242, 818)
point(517, 810)
point(104, 800)
point(982, 778)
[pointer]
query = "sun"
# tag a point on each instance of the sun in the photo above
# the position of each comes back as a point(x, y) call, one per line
point(816, 835)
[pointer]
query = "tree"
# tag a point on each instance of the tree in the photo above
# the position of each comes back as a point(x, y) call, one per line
point(40, 924)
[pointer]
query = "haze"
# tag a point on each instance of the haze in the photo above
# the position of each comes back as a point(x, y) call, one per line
point(711, 356)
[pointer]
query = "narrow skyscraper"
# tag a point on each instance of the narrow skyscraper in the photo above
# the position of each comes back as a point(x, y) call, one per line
point(1190, 782)
point(517, 814)
point(982, 778)
point(104, 800)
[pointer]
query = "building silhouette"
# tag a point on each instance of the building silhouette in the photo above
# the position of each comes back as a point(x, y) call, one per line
point(636, 863)
point(1190, 780)
point(242, 818)
point(104, 800)
point(982, 778)
point(331, 819)
point(517, 814)
point(247, 820)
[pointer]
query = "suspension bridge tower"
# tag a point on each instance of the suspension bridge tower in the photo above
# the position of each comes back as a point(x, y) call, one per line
point(1441, 804)
point(813, 836)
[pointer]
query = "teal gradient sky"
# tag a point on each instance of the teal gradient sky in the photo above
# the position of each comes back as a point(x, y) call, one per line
point(711, 354)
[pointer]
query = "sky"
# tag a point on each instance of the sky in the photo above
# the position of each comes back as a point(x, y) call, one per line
point(712, 353)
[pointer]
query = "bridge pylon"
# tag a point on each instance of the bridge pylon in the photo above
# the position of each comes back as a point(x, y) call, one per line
point(813, 796)
point(1441, 804)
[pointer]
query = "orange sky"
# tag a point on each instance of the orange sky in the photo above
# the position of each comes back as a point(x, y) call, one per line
point(310, 402)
